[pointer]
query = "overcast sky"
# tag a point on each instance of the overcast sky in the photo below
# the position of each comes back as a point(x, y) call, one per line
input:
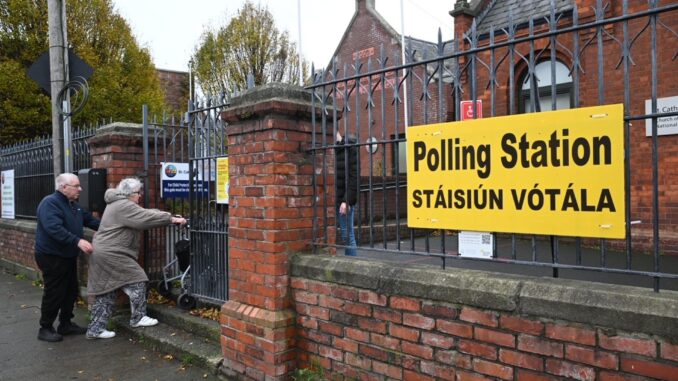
point(171, 29)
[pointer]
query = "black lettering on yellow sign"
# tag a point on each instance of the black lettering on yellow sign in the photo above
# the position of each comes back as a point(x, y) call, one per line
point(537, 199)
point(555, 152)
point(570, 199)
point(558, 151)
point(453, 156)
point(458, 198)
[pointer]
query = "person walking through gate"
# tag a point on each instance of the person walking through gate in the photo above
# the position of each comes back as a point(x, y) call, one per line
point(58, 241)
point(347, 190)
point(113, 264)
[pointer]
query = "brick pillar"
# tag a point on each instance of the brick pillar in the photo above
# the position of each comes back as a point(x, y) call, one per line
point(270, 217)
point(118, 148)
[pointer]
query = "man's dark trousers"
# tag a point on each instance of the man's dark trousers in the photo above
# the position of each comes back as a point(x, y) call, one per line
point(61, 288)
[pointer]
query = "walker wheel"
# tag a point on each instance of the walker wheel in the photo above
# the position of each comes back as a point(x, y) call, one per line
point(165, 288)
point(185, 301)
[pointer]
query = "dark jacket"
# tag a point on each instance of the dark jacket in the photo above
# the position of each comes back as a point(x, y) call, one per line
point(60, 228)
point(347, 171)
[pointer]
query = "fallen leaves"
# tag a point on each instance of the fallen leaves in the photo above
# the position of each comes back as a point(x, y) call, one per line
point(211, 313)
point(207, 313)
point(155, 298)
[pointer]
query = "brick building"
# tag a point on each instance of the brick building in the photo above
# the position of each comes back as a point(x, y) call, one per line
point(175, 86)
point(368, 45)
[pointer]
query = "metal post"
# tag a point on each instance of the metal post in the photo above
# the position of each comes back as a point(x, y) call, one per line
point(68, 153)
point(57, 75)
point(301, 72)
point(147, 186)
point(403, 56)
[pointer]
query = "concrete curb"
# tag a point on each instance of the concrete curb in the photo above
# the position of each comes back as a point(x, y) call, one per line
point(176, 317)
point(184, 345)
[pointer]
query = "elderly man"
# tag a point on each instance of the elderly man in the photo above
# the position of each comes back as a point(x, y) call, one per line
point(58, 241)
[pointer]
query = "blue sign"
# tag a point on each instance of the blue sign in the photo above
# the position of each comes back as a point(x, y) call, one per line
point(175, 183)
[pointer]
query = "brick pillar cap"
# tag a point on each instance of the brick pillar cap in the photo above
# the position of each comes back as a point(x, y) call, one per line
point(119, 129)
point(279, 97)
point(273, 90)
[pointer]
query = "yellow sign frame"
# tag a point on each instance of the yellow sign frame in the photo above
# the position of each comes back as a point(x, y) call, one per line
point(222, 186)
point(552, 173)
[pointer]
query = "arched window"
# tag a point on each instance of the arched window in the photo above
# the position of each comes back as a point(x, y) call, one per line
point(542, 78)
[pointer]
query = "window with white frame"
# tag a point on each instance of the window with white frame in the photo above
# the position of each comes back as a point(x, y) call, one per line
point(544, 97)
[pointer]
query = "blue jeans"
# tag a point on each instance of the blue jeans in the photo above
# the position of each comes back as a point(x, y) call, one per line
point(347, 233)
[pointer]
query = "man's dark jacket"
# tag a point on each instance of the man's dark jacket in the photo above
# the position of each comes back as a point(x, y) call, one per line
point(60, 226)
point(347, 171)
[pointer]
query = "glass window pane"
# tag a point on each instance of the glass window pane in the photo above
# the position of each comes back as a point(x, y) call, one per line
point(402, 158)
point(543, 73)
point(562, 103)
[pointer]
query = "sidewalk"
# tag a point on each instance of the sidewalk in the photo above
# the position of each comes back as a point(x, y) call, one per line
point(24, 357)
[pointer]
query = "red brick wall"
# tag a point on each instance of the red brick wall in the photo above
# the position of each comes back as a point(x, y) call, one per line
point(17, 242)
point(17, 246)
point(360, 333)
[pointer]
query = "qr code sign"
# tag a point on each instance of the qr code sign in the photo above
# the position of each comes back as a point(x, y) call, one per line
point(486, 239)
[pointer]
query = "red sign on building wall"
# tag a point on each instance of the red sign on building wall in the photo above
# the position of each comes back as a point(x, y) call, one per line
point(466, 108)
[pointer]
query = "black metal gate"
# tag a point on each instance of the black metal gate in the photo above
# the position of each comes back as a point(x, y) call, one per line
point(196, 142)
point(208, 207)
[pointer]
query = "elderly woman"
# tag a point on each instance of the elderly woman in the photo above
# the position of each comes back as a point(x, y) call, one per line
point(113, 264)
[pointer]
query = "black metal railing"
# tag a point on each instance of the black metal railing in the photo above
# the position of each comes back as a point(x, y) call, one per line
point(34, 169)
point(610, 58)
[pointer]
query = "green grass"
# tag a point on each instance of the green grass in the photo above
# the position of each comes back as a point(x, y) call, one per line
point(187, 359)
point(307, 374)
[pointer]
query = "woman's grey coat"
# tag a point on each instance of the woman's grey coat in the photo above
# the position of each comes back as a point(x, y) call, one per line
point(113, 263)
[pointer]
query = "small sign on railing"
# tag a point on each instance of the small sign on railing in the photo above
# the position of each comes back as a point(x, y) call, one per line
point(466, 108)
point(476, 244)
point(174, 181)
point(8, 194)
point(222, 180)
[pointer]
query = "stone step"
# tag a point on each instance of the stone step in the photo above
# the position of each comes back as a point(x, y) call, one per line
point(176, 317)
point(179, 334)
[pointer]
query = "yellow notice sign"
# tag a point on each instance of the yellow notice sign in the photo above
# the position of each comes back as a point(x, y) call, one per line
point(551, 173)
point(222, 180)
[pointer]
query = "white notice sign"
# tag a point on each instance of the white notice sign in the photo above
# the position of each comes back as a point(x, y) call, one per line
point(8, 194)
point(476, 244)
point(667, 125)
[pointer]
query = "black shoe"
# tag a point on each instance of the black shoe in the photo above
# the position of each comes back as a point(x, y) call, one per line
point(71, 329)
point(48, 334)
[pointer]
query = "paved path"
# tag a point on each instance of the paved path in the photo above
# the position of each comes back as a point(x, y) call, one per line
point(24, 357)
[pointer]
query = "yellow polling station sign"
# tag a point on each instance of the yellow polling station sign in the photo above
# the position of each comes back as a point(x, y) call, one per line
point(551, 173)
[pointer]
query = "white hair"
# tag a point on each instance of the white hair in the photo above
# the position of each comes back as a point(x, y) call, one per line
point(128, 186)
point(63, 179)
